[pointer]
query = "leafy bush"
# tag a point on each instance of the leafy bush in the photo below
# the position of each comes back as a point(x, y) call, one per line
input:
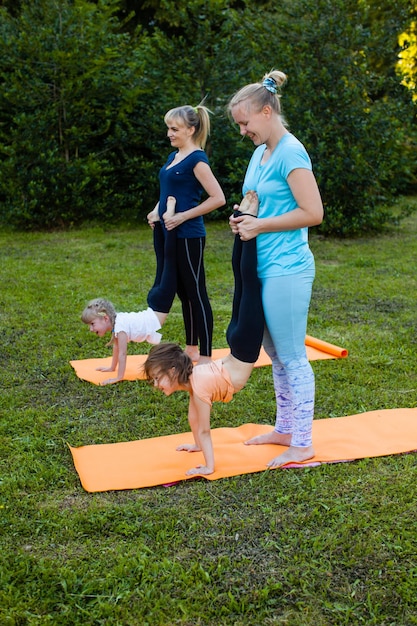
point(84, 94)
point(343, 98)
point(69, 84)
point(349, 110)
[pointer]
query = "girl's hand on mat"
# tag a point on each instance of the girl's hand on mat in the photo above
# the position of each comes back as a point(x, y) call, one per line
point(110, 381)
point(188, 447)
point(200, 470)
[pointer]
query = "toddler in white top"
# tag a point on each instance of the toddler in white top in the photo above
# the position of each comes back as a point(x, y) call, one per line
point(141, 326)
point(101, 317)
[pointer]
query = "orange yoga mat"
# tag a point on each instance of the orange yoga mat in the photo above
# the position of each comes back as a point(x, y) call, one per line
point(86, 368)
point(150, 462)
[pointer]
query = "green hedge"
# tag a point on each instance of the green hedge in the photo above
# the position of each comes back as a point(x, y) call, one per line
point(83, 95)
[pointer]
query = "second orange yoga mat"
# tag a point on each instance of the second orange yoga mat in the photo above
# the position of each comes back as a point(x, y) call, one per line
point(86, 368)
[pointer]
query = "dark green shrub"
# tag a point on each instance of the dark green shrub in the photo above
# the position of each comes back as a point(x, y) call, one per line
point(84, 95)
point(69, 84)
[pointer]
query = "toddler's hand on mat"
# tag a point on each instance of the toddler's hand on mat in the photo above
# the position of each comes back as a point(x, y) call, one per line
point(188, 447)
point(110, 381)
point(200, 470)
point(104, 369)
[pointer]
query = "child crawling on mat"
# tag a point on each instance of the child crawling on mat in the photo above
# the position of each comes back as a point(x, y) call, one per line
point(170, 369)
point(101, 317)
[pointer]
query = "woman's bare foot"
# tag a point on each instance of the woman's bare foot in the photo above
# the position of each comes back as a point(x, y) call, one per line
point(171, 202)
point(249, 204)
point(292, 455)
point(271, 437)
point(200, 470)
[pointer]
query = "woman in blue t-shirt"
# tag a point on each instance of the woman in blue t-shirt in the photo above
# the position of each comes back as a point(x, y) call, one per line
point(280, 172)
point(179, 236)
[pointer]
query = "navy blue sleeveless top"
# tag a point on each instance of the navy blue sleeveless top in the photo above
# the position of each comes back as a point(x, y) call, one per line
point(179, 181)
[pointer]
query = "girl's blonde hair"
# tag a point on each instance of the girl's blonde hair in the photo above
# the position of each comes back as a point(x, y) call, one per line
point(99, 307)
point(197, 117)
point(166, 357)
point(258, 95)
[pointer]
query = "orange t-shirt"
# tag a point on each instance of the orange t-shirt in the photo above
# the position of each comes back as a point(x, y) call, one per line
point(211, 382)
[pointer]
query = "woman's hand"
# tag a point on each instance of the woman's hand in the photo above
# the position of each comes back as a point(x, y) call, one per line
point(246, 226)
point(174, 221)
point(153, 216)
point(232, 220)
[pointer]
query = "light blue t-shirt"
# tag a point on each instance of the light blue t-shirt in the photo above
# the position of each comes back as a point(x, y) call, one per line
point(279, 253)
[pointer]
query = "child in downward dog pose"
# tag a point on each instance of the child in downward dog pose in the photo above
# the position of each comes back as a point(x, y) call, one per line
point(170, 369)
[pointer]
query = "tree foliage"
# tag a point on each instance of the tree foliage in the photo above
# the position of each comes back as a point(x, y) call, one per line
point(85, 86)
point(407, 65)
point(70, 83)
point(345, 103)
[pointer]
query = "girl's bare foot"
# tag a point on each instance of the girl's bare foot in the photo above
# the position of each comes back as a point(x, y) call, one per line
point(171, 202)
point(249, 204)
point(292, 455)
point(271, 437)
point(203, 359)
point(193, 352)
point(188, 447)
point(161, 317)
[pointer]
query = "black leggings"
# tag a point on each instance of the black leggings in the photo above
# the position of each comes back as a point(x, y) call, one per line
point(245, 331)
point(162, 293)
point(180, 269)
point(192, 291)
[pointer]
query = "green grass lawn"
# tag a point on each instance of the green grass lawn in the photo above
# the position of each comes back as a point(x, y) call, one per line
point(331, 545)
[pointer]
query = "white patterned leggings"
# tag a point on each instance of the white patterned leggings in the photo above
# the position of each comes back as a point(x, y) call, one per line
point(286, 300)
